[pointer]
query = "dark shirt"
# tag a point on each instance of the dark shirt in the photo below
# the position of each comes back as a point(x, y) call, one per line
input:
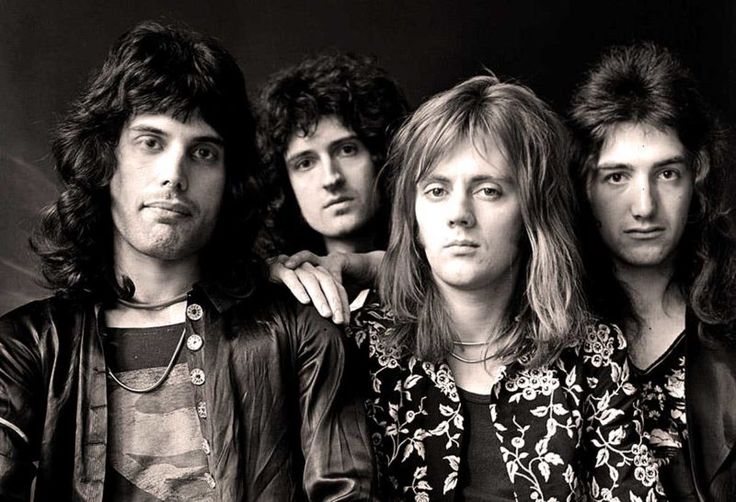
point(270, 392)
point(483, 476)
point(156, 448)
point(665, 419)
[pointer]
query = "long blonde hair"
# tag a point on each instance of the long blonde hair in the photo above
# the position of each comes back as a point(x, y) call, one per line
point(548, 310)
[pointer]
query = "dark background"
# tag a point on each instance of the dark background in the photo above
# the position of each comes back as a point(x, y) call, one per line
point(48, 49)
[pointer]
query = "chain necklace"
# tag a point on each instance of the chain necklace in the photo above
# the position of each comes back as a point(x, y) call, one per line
point(469, 344)
point(468, 360)
point(158, 382)
point(152, 306)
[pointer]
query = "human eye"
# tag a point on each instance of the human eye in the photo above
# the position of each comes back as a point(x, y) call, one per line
point(489, 192)
point(614, 177)
point(670, 174)
point(149, 143)
point(434, 191)
point(206, 153)
point(302, 164)
point(348, 149)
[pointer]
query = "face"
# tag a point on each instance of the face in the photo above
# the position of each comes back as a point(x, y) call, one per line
point(167, 187)
point(469, 220)
point(332, 176)
point(640, 193)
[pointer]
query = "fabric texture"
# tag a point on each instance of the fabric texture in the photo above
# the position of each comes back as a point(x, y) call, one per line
point(662, 387)
point(155, 445)
point(271, 401)
point(568, 432)
point(710, 402)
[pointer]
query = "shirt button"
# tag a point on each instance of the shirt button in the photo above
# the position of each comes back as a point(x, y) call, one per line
point(210, 480)
point(194, 312)
point(197, 376)
point(194, 342)
point(206, 447)
point(202, 409)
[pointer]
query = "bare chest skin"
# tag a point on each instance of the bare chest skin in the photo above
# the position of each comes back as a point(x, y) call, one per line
point(478, 378)
point(132, 318)
point(658, 330)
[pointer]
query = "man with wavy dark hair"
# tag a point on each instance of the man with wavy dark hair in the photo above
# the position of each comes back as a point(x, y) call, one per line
point(660, 256)
point(163, 368)
point(324, 129)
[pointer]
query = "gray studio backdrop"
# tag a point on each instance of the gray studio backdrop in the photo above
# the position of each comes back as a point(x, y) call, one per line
point(48, 49)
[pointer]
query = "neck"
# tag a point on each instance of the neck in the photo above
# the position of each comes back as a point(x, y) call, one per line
point(476, 313)
point(650, 288)
point(352, 244)
point(157, 280)
point(660, 308)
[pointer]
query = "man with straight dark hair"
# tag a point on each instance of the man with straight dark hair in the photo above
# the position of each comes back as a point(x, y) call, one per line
point(164, 367)
point(660, 256)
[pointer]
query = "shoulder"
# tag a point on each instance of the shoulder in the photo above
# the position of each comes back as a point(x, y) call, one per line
point(601, 344)
point(275, 307)
point(372, 316)
point(40, 315)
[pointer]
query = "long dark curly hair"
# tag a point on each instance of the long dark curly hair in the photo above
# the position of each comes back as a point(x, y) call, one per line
point(647, 84)
point(153, 68)
point(353, 88)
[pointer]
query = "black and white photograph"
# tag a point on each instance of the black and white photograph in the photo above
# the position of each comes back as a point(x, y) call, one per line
point(479, 251)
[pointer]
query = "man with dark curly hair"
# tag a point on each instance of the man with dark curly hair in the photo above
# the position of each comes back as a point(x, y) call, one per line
point(165, 367)
point(660, 256)
point(324, 128)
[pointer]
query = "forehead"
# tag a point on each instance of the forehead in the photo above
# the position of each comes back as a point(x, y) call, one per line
point(328, 130)
point(193, 127)
point(467, 161)
point(639, 145)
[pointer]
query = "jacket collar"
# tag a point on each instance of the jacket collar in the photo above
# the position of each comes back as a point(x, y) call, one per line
point(710, 387)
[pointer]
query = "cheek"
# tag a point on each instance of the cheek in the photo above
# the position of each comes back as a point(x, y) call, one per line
point(362, 178)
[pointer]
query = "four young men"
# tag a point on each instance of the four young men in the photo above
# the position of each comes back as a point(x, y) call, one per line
point(166, 367)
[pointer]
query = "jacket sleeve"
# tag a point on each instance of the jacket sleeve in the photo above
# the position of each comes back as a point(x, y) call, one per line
point(334, 437)
point(20, 404)
point(619, 461)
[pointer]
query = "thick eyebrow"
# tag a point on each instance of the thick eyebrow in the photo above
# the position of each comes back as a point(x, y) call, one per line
point(330, 146)
point(677, 159)
point(208, 138)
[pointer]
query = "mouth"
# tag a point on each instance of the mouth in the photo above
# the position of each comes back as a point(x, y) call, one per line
point(462, 244)
point(644, 232)
point(337, 200)
point(172, 206)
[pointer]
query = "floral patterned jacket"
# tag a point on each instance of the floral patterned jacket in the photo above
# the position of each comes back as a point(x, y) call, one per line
point(571, 431)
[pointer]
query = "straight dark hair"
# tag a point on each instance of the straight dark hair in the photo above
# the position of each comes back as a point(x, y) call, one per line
point(646, 84)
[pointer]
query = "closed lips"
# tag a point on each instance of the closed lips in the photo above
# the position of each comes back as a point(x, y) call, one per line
point(332, 202)
point(169, 205)
point(462, 243)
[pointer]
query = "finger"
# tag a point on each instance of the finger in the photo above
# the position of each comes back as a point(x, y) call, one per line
point(297, 259)
point(291, 281)
point(335, 294)
point(307, 276)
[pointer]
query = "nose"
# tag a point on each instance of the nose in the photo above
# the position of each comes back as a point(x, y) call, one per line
point(461, 211)
point(333, 177)
point(644, 204)
point(173, 169)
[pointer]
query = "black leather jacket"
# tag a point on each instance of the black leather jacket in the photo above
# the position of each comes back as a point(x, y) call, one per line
point(274, 407)
point(710, 401)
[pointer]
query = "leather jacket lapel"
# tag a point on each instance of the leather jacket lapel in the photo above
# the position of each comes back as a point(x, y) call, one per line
point(710, 390)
